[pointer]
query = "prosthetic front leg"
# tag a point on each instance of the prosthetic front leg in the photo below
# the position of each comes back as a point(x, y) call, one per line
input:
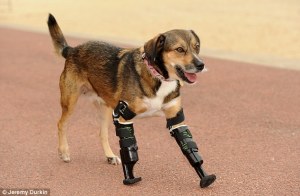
point(189, 148)
point(128, 151)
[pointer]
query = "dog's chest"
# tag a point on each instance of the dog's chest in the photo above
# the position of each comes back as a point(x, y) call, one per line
point(155, 104)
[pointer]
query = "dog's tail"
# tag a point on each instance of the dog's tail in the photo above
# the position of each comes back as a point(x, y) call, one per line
point(59, 41)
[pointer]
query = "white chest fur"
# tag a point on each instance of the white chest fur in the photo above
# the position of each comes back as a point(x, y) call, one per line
point(155, 104)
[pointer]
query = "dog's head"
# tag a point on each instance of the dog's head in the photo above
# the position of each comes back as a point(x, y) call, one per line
point(175, 55)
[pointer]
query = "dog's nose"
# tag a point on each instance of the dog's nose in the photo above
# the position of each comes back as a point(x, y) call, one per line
point(199, 65)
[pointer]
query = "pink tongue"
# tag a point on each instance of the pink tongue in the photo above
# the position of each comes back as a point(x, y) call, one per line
point(191, 77)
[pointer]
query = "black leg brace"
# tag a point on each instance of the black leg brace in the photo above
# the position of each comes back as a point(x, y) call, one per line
point(128, 145)
point(189, 148)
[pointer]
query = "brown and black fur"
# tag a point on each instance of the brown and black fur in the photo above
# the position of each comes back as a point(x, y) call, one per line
point(110, 73)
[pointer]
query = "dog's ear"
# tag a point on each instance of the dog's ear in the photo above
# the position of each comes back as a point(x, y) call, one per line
point(196, 36)
point(153, 47)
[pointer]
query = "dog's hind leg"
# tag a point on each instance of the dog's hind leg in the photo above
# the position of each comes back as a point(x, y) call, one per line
point(69, 96)
point(105, 119)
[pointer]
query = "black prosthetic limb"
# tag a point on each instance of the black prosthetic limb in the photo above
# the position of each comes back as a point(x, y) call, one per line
point(189, 148)
point(128, 145)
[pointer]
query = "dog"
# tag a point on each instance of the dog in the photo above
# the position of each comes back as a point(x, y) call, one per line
point(148, 79)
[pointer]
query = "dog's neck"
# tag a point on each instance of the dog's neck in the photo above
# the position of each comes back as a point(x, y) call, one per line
point(152, 70)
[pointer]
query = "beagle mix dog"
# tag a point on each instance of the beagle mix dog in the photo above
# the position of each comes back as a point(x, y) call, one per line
point(146, 80)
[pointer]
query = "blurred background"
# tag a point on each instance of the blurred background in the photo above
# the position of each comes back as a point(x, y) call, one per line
point(263, 32)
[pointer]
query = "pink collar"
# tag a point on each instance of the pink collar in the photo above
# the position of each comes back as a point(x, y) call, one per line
point(153, 71)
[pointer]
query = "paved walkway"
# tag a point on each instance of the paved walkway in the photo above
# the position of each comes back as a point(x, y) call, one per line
point(245, 119)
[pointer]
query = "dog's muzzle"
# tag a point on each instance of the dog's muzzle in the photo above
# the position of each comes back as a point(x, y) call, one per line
point(187, 76)
point(189, 73)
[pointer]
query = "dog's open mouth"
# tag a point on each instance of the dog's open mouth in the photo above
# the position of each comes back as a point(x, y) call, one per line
point(185, 76)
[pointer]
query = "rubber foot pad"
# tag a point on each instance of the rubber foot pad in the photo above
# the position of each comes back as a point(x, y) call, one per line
point(207, 180)
point(131, 180)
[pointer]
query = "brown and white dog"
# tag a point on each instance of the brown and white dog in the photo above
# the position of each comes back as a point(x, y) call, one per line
point(148, 78)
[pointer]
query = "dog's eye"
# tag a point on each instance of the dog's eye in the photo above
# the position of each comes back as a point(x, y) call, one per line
point(180, 50)
point(197, 46)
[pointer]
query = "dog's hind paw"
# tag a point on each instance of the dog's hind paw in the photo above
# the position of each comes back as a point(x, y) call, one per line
point(114, 160)
point(64, 156)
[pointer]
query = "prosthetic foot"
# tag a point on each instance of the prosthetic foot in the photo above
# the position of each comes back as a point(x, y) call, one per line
point(128, 151)
point(189, 148)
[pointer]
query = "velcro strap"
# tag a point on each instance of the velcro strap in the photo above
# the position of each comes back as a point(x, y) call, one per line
point(123, 110)
point(125, 130)
point(184, 134)
point(192, 145)
point(127, 142)
point(179, 118)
